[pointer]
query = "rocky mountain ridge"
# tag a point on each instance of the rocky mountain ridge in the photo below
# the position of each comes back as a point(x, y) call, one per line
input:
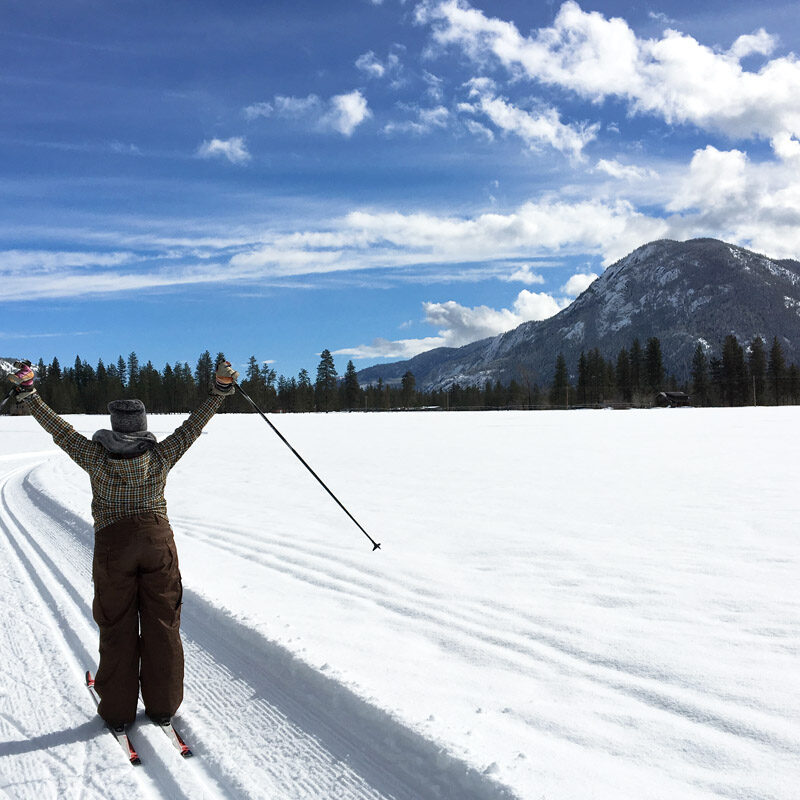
point(685, 293)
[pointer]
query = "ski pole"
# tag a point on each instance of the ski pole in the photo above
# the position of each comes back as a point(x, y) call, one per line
point(375, 545)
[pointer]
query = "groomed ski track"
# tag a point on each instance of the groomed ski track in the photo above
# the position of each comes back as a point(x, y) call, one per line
point(262, 723)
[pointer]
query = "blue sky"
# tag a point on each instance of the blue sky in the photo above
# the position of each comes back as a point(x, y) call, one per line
point(375, 178)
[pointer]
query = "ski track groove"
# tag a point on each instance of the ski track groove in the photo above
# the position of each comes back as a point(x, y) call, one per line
point(304, 736)
point(529, 644)
point(69, 617)
point(47, 648)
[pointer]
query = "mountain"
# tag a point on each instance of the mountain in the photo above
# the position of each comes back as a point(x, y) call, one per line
point(682, 292)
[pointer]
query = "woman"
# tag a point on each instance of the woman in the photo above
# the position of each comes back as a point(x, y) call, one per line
point(137, 583)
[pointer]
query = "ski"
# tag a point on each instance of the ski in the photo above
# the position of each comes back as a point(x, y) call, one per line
point(118, 733)
point(173, 735)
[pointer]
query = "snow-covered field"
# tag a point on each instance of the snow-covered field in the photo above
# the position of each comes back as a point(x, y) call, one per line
point(596, 604)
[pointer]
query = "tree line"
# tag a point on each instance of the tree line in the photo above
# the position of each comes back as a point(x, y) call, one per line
point(750, 374)
point(738, 375)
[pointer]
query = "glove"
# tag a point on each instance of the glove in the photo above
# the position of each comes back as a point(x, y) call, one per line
point(22, 380)
point(224, 379)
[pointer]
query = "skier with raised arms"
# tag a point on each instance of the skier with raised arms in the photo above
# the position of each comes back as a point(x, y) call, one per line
point(137, 583)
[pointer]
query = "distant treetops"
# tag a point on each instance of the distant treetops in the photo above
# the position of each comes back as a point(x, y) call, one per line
point(738, 375)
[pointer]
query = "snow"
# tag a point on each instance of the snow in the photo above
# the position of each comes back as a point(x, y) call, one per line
point(575, 332)
point(594, 604)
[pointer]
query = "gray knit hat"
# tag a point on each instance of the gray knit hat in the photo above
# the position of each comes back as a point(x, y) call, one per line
point(127, 416)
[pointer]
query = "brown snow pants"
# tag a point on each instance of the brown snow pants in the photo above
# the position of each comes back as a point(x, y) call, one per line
point(137, 606)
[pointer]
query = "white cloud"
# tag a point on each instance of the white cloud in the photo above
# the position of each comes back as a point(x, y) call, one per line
point(523, 274)
point(233, 149)
point(39, 262)
point(660, 16)
point(257, 110)
point(124, 148)
point(370, 65)
point(296, 106)
point(542, 127)
point(481, 131)
point(385, 348)
point(759, 43)
point(543, 227)
point(434, 84)
point(720, 193)
point(626, 172)
point(674, 77)
point(724, 194)
point(787, 147)
point(347, 112)
point(342, 113)
point(425, 121)
point(716, 178)
point(458, 325)
point(27, 335)
point(579, 283)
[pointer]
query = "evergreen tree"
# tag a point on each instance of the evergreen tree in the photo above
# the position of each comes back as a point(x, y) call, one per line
point(582, 388)
point(637, 360)
point(102, 388)
point(268, 379)
point(133, 374)
point(169, 386)
point(776, 370)
point(757, 366)
point(122, 371)
point(152, 394)
point(379, 393)
point(325, 385)
point(203, 374)
point(283, 394)
point(114, 388)
point(352, 391)
point(793, 384)
point(700, 384)
point(408, 385)
point(559, 391)
point(653, 365)
point(716, 380)
point(254, 384)
point(598, 385)
point(305, 392)
point(185, 387)
point(622, 374)
point(734, 375)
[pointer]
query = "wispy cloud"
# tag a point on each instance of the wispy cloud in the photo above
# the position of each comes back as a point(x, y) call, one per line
point(370, 65)
point(424, 121)
point(720, 193)
point(626, 172)
point(342, 113)
point(257, 110)
point(39, 262)
point(536, 128)
point(234, 150)
point(26, 335)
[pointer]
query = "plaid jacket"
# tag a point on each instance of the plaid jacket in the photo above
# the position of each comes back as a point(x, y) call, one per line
point(122, 487)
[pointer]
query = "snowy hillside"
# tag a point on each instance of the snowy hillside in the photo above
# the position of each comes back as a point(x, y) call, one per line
point(567, 605)
point(684, 293)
